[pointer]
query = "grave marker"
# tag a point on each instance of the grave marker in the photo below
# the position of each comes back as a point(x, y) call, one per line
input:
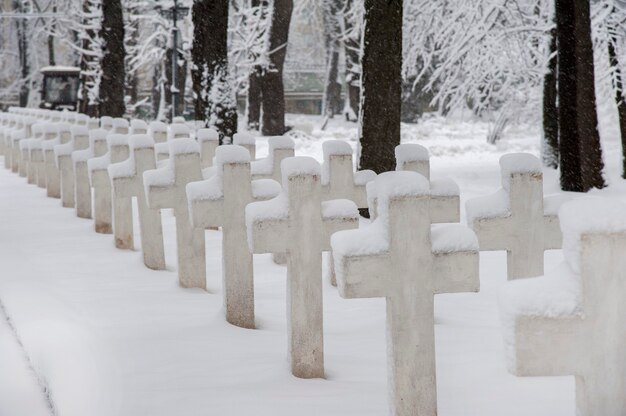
point(299, 224)
point(399, 258)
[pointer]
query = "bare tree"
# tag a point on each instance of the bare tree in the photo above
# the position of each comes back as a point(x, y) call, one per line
point(113, 56)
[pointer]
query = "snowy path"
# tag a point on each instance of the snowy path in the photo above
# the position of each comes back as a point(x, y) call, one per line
point(111, 337)
point(21, 392)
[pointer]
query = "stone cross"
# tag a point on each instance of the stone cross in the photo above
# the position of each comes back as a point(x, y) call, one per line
point(246, 140)
point(111, 215)
point(280, 147)
point(36, 154)
point(514, 218)
point(299, 224)
point(220, 202)
point(398, 257)
point(445, 205)
point(209, 140)
point(179, 131)
point(127, 182)
point(63, 155)
point(571, 321)
point(14, 135)
point(106, 123)
point(53, 176)
point(338, 177)
point(340, 181)
point(138, 127)
point(24, 145)
point(120, 126)
point(26, 167)
point(162, 150)
point(82, 187)
point(158, 131)
point(165, 188)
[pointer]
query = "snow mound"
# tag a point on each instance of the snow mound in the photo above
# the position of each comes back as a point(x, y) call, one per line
point(444, 187)
point(178, 131)
point(340, 209)
point(518, 163)
point(138, 125)
point(244, 139)
point(298, 166)
point(363, 177)
point(125, 169)
point(265, 188)
point(183, 146)
point(488, 206)
point(207, 135)
point(588, 215)
point(79, 131)
point(449, 238)
point(410, 152)
point(140, 141)
point(117, 140)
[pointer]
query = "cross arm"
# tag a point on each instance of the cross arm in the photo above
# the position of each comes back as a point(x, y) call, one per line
point(206, 203)
point(267, 224)
point(455, 258)
point(337, 215)
point(362, 262)
point(158, 185)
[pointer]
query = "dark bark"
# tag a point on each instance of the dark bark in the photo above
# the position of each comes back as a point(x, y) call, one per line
point(352, 47)
point(579, 142)
point(618, 87)
point(181, 79)
point(273, 92)
point(590, 149)
point(550, 111)
point(254, 98)
point(86, 65)
point(200, 13)
point(51, 57)
point(381, 85)
point(113, 56)
point(23, 44)
point(214, 99)
point(132, 35)
point(332, 29)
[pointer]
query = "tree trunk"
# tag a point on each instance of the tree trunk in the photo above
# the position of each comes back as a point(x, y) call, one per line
point(253, 106)
point(85, 105)
point(51, 57)
point(214, 99)
point(569, 146)
point(332, 29)
point(113, 56)
point(379, 132)
point(272, 88)
point(200, 13)
point(619, 93)
point(587, 120)
point(352, 48)
point(550, 111)
point(23, 44)
point(132, 35)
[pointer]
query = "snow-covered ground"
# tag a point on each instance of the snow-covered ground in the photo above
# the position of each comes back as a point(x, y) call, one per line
point(106, 336)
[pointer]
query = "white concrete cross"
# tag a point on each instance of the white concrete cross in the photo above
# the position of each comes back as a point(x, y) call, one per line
point(106, 123)
point(36, 156)
point(220, 202)
point(299, 224)
point(400, 258)
point(338, 177)
point(138, 126)
point(572, 320)
point(280, 147)
point(127, 182)
point(97, 147)
point(514, 218)
point(209, 140)
point(179, 131)
point(24, 145)
point(445, 202)
point(111, 215)
point(53, 175)
point(14, 135)
point(63, 155)
point(158, 131)
point(340, 181)
point(120, 126)
point(248, 141)
point(165, 188)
